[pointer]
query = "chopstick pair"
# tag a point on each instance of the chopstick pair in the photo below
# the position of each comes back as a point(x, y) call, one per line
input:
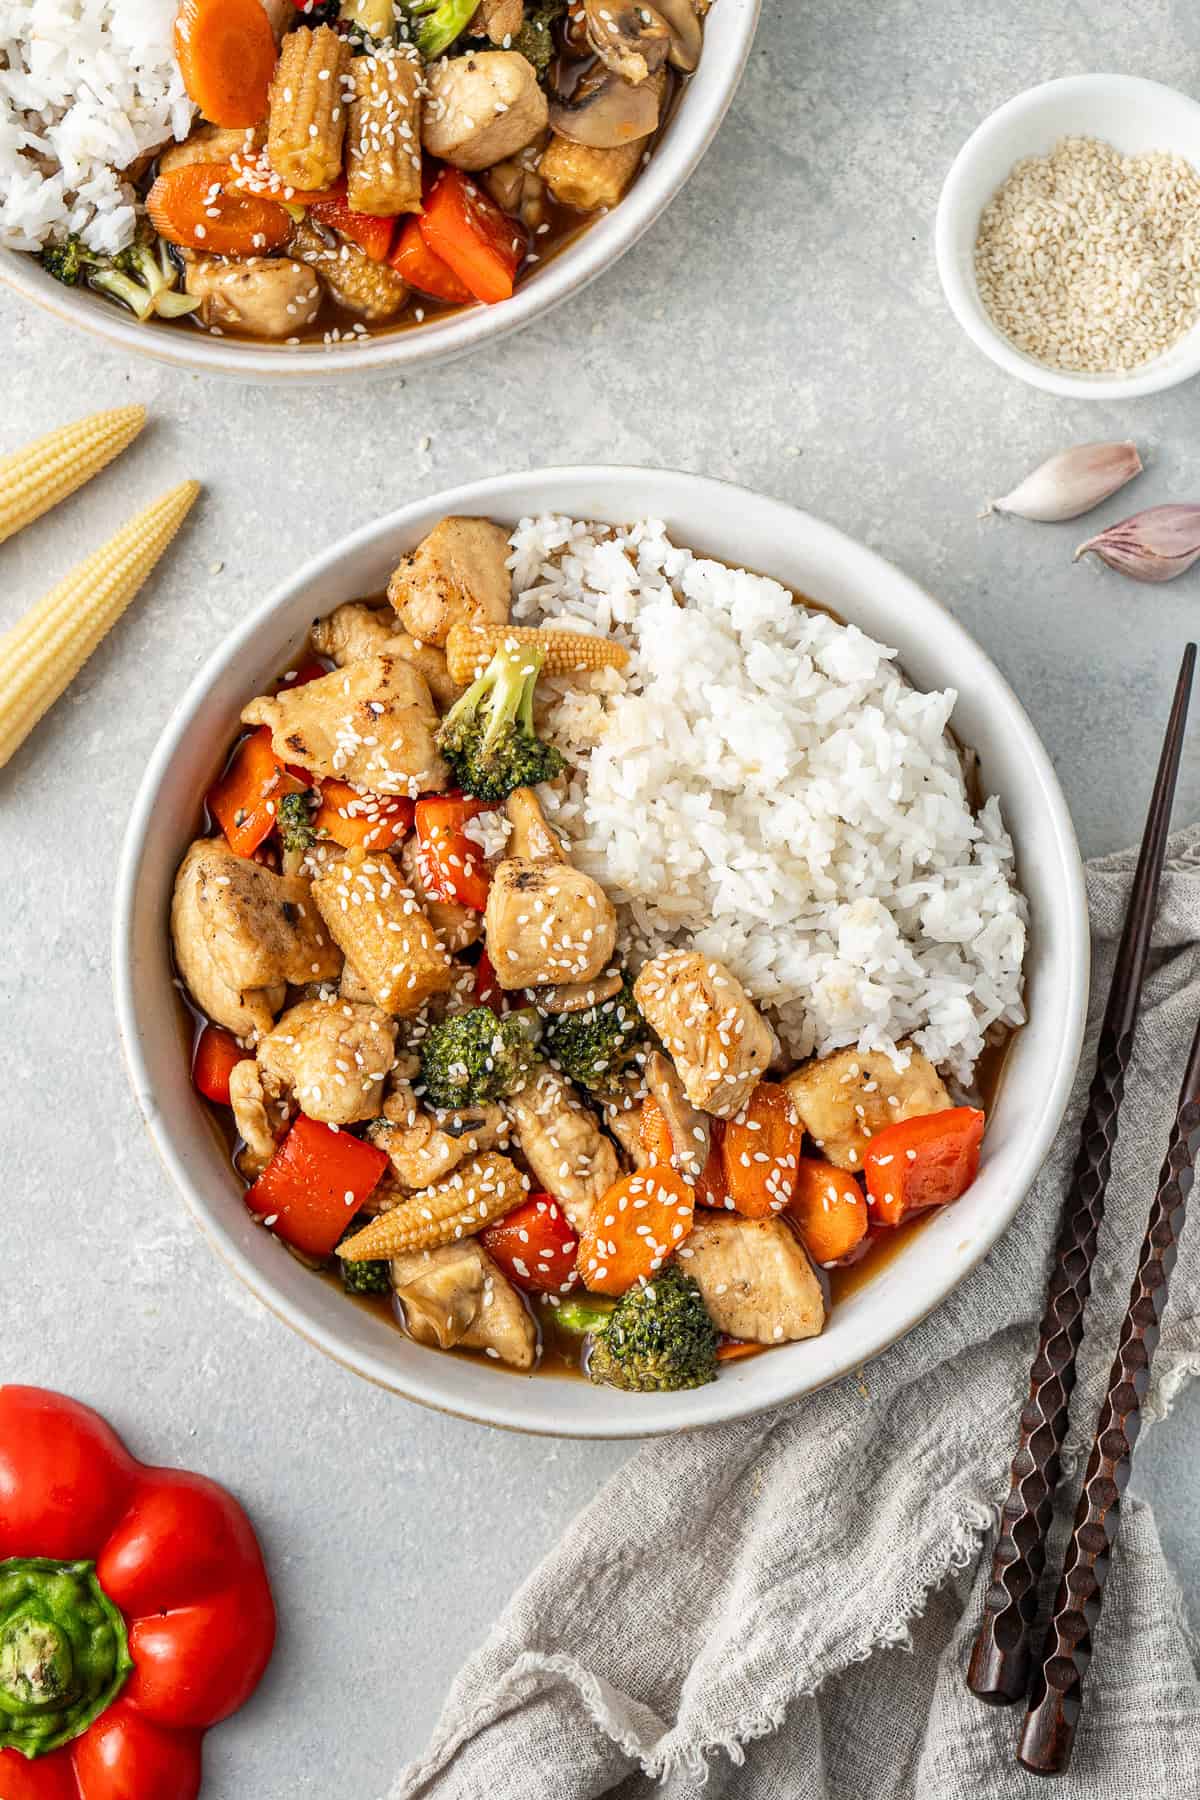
point(1001, 1670)
point(45, 650)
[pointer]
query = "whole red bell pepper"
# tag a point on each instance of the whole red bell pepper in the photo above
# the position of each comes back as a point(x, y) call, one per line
point(135, 1610)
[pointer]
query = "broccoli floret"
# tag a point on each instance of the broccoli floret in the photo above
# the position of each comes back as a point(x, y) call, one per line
point(658, 1338)
point(441, 21)
point(488, 738)
point(137, 277)
point(370, 1277)
point(592, 1047)
point(535, 40)
point(293, 821)
point(476, 1057)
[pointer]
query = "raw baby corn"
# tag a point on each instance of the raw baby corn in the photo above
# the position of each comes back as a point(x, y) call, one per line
point(36, 478)
point(46, 649)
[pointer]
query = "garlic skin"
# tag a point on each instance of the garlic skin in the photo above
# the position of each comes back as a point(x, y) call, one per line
point(1156, 545)
point(1072, 482)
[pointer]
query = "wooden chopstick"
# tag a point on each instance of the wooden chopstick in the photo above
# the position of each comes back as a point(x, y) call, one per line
point(1053, 1714)
point(1000, 1660)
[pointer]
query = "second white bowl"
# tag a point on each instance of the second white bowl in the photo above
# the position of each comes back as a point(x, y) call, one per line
point(743, 529)
point(1133, 115)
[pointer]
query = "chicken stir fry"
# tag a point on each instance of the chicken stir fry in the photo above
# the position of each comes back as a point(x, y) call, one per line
point(357, 164)
point(446, 1079)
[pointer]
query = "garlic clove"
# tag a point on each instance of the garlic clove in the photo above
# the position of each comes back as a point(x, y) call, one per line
point(1072, 482)
point(1156, 545)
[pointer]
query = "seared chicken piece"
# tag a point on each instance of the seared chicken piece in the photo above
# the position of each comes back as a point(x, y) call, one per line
point(844, 1099)
point(457, 1296)
point(372, 724)
point(243, 1013)
point(756, 1278)
point(377, 922)
point(334, 1056)
point(354, 632)
point(266, 297)
point(517, 187)
point(261, 1117)
point(716, 1036)
point(456, 925)
point(547, 923)
point(458, 573)
point(242, 933)
point(213, 144)
point(561, 1140)
point(371, 289)
point(498, 20)
point(425, 1147)
point(481, 107)
point(531, 837)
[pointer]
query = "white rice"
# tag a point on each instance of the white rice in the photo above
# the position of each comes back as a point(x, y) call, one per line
point(763, 783)
point(86, 88)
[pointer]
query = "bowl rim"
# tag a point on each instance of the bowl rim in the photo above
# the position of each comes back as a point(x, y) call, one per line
point(740, 1398)
point(959, 292)
point(688, 135)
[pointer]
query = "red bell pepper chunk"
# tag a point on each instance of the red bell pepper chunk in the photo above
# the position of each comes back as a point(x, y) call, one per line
point(488, 991)
point(243, 801)
point(217, 1055)
point(535, 1245)
point(481, 243)
point(174, 1559)
point(372, 235)
point(451, 864)
point(309, 670)
point(314, 1184)
point(349, 817)
point(923, 1162)
point(422, 268)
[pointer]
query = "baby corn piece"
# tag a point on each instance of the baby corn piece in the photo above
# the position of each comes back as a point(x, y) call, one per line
point(36, 478)
point(383, 138)
point(481, 1189)
point(46, 649)
point(307, 121)
point(470, 648)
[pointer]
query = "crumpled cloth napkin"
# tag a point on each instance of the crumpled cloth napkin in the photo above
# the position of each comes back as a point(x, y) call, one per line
point(782, 1608)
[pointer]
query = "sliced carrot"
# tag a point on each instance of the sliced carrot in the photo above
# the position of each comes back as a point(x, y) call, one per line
point(372, 235)
point(482, 245)
point(733, 1349)
point(243, 801)
point(634, 1227)
point(193, 207)
point(350, 818)
point(760, 1151)
point(654, 1134)
point(226, 54)
point(830, 1210)
point(922, 1162)
point(422, 269)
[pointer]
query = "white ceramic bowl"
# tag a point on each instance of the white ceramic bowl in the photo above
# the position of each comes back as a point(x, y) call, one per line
point(1123, 110)
point(741, 528)
point(728, 35)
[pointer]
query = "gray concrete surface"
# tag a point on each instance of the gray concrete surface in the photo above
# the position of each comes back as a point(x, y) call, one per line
point(783, 326)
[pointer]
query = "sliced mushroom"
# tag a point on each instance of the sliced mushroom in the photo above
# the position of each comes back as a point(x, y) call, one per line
point(631, 39)
point(690, 1130)
point(687, 33)
point(605, 112)
point(577, 996)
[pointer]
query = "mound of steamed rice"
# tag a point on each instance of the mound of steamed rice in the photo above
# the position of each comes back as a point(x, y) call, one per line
point(87, 87)
point(764, 784)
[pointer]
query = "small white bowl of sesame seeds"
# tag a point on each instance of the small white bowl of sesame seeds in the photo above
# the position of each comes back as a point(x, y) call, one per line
point(1068, 237)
